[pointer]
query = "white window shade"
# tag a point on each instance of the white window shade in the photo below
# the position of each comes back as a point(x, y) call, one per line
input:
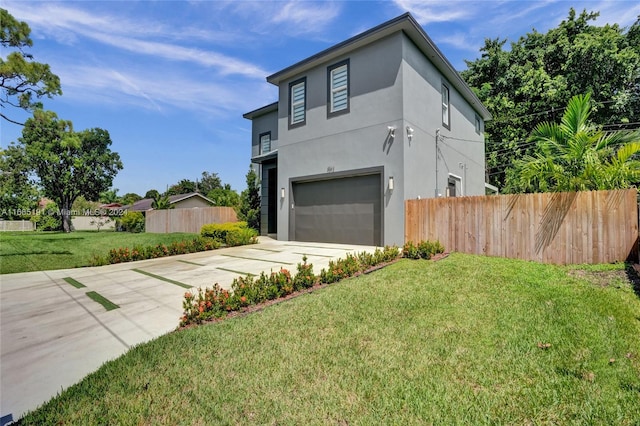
point(298, 103)
point(339, 88)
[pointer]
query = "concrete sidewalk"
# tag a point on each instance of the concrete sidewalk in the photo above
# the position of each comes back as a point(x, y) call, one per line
point(52, 333)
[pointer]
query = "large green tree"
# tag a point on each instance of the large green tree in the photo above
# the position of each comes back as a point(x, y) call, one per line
point(224, 196)
point(208, 182)
point(533, 79)
point(68, 164)
point(576, 155)
point(18, 195)
point(22, 80)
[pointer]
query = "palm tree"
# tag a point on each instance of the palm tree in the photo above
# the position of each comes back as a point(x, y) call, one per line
point(576, 155)
point(161, 202)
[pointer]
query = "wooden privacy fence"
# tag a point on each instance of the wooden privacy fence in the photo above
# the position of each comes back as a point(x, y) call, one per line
point(187, 220)
point(560, 228)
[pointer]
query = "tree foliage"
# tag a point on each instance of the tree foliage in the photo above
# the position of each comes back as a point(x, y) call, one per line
point(68, 164)
point(18, 195)
point(162, 202)
point(185, 186)
point(224, 196)
point(22, 79)
point(152, 193)
point(109, 196)
point(130, 198)
point(209, 182)
point(533, 80)
point(249, 210)
point(576, 155)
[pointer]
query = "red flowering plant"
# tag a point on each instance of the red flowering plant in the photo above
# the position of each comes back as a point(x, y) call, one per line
point(208, 303)
point(248, 290)
point(305, 277)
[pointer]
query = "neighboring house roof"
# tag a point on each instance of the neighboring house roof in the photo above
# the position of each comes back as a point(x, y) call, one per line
point(413, 30)
point(145, 204)
point(261, 111)
point(110, 205)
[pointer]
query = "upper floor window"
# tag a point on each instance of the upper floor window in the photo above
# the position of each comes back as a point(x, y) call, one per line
point(478, 125)
point(446, 110)
point(298, 102)
point(265, 143)
point(338, 88)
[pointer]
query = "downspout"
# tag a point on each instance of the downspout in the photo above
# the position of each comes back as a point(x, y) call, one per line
point(437, 137)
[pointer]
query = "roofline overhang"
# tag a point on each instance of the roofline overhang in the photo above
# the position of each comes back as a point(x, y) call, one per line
point(259, 159)
point(182, 197)
point(414, 31)
point(261, 111)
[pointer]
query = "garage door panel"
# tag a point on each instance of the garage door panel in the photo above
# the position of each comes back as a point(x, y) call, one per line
point(344, 210)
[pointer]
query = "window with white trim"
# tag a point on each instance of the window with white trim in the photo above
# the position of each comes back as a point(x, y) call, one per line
point(446, 110)
point(454, 186)
point(298, 101)
point(338, 88)
point(265, 143)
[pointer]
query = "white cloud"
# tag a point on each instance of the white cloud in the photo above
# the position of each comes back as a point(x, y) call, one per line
point(160, 91)
point(436, 11)
point(224, 64)
point(459, 40)
point(287, 18)
point(622, 13)
point(306, 16)
point(67, 25)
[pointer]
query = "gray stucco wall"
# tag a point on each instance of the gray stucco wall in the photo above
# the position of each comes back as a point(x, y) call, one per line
point(391, 84)
point(262, 124)
point(352, 141)
point(423, 112)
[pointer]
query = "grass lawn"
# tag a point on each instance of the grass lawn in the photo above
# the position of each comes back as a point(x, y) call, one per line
point(459, 341)
point(40, 251)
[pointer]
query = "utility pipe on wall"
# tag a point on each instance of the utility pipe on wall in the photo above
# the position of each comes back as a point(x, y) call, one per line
point(437, 137)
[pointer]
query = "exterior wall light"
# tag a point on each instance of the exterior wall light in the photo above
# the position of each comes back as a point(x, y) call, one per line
point(390, 183)
point(409, 133)
point(392, 131)
point(282, 193)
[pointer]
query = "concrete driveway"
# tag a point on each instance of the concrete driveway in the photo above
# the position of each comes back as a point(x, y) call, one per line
point(53, 333)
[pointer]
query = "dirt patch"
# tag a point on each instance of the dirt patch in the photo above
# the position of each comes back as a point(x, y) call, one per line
point(628, 275)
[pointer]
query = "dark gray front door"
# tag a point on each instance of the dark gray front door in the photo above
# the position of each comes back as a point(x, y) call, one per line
point(343, 210)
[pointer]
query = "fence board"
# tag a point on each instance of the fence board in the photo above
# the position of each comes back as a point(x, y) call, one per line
point(561, 228)
point(186, 220)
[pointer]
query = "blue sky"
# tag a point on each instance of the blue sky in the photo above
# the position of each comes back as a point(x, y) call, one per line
point(170, 80)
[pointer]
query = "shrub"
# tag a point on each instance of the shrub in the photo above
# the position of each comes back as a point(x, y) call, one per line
point(304, 278)
point(210, 303)
point(131, 222)
point(241, 237)
point(251, 290)
point(126, 254)
point(424, 249)
point(428, 248)
point(230, 233)
point(48, 219)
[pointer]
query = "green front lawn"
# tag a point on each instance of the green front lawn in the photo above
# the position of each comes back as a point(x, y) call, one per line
point(40, 251)
point(465, 340)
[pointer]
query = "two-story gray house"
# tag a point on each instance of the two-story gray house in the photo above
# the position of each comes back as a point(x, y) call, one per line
point(360, 127)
